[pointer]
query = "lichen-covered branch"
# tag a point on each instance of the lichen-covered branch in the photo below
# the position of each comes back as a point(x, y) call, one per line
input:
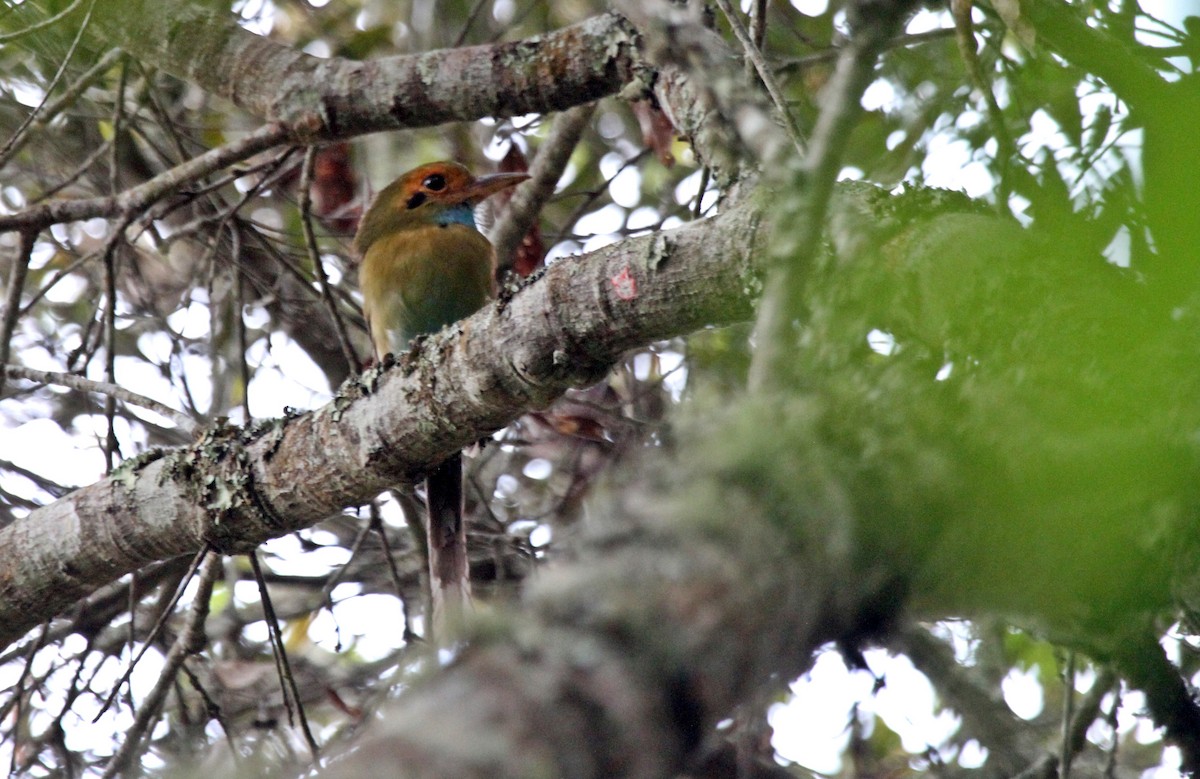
point(339, 97)
point(236, 488)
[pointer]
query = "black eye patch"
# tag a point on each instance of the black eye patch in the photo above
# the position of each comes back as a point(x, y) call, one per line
point(435, 182)
point(416, 200)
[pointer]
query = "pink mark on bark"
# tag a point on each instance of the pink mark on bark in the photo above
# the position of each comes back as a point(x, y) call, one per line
point(625, 284)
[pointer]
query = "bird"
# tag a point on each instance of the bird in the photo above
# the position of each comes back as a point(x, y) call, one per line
point(425, 265)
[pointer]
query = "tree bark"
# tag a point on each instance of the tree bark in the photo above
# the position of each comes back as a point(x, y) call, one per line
point(338, 97)
point(235, 488)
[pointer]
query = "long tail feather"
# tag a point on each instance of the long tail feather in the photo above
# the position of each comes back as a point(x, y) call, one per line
point(449, 580)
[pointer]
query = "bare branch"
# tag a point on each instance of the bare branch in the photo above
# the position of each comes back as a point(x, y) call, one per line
point(181, 420)
point(17, 136)
point(314, 256)
point(189, 640)
point(144, 195)
point(873, 25)
point(12, 305)
point(235, 488)
point(528, 199)
point(339, 98)
point(764, 72)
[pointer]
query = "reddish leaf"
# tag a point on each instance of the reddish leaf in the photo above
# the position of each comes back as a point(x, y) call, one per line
point(335, 188)
point(657, 131)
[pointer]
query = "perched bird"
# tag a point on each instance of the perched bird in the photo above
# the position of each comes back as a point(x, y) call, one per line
point(425, 265)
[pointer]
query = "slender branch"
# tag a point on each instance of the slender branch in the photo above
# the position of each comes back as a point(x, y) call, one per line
point(159, 624)
point(181, 420)
point(1066, 751)
point(6, 150)
point(43, 24)
point(189, 641)
point(529, 198)
point(873, 26)
point(50, 110)
point(1087, 712)
point(1008, 155)
point(287, 681)
point(764, 72)
point(18, 690)
point(758, 23)
point(984, 718)
point(140, 197)
point(12, 305)
point(385, 546)
point(239, 301)
point(471, 17)
point(50, 486)
point(314, 256)
point(111, 259)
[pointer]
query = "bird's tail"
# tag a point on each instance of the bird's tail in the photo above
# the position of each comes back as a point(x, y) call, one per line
point(449, 579)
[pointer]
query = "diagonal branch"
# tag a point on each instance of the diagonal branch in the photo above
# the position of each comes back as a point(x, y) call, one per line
point(339, 98)
point(235, 488)
point(108, 389)
point(873, 24)
point(144, 195)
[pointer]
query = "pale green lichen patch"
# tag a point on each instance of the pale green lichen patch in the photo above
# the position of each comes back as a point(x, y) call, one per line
point(127, 472)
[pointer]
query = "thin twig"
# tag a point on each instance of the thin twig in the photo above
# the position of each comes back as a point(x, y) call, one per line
point(291, 693)
point(547, 168)
point(6, 150)
point(758, 23)
point(377, 525)
point(314, 255)
point(110, 283)
point(705, 175)
point(213, 711)
point(67, 98)
point(336, 578)
point(239, 301)
point(1110, 765)
point(471, 17)
point(12, 305)
point(154, 631)
point(1086, 712)
point(593, 195)
point(139, 197)
point(1007, 153)
point(1066, 753)
point(55, 489)
point(189, 641)
point(64, 13)
point(181, 420)
point(764, 72)
point(19, 690)
point(832, 53)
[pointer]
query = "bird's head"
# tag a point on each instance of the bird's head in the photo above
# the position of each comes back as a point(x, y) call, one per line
point(438, 193)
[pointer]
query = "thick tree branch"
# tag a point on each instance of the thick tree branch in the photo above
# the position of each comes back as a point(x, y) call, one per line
point(305, 98)
point(340, 98)
point(236, 488)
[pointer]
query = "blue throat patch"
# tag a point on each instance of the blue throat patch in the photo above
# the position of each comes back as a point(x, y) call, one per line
point(461, 214)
